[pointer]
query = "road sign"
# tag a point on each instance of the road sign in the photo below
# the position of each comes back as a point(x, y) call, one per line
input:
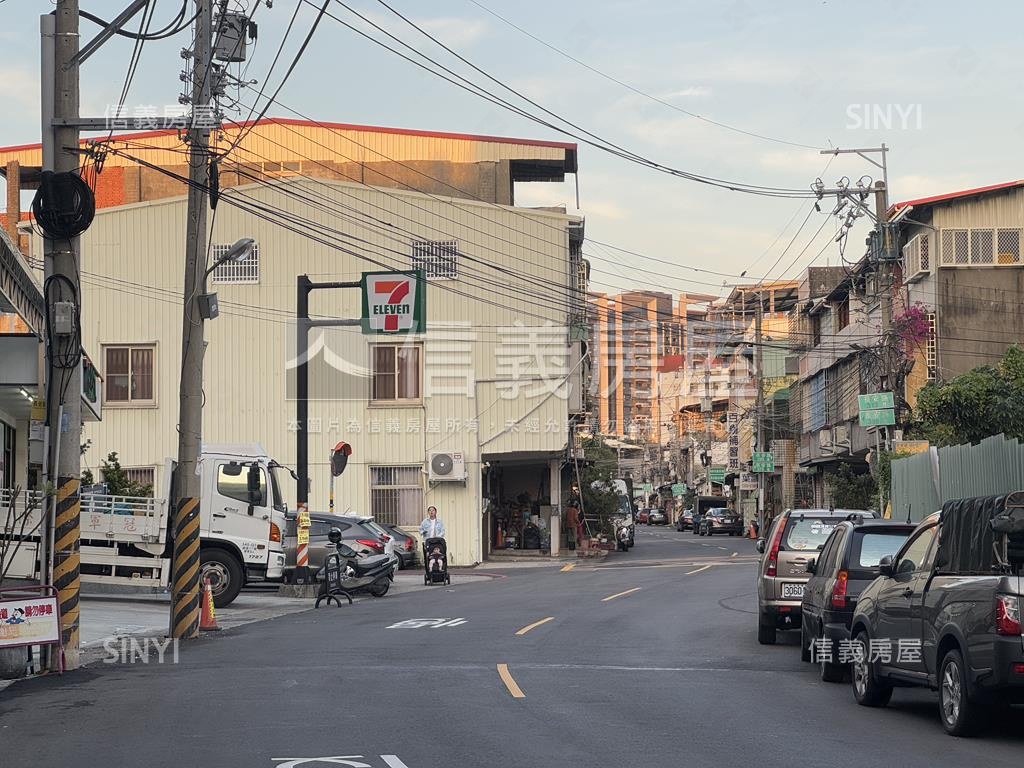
point(877, 401)
point(763, 461)
point(394, 302)
point(881, 418)
point(679, 489)
point(748, 481)
point(717, 475)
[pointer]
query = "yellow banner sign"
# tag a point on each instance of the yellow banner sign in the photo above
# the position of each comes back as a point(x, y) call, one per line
point(303, 535)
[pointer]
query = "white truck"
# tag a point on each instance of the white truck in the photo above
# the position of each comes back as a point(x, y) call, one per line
point(125, 540)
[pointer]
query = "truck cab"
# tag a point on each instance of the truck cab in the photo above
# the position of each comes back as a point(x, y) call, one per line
point(242, 519)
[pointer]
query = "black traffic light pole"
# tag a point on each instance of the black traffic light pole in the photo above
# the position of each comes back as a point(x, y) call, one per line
point(304, 286)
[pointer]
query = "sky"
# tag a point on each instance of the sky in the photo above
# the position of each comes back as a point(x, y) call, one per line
point(936, 80)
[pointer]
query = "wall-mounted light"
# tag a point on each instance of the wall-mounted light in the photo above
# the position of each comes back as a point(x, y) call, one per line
point(26, 395)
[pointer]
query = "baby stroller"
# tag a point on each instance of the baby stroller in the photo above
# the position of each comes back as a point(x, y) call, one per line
point(435, 562)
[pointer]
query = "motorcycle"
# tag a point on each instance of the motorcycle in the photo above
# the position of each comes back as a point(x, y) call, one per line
point(353, 574)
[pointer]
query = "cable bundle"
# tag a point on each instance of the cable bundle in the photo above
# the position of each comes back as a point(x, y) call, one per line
point(64, 205)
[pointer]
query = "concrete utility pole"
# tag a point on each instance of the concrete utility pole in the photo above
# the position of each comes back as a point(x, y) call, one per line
point(59, 105)
point(185, 596)
point(759, 414)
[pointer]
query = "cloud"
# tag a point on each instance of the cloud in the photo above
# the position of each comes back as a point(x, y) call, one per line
point(20, 88)
point(913, 186)
point(693, 91)
point(454, 31)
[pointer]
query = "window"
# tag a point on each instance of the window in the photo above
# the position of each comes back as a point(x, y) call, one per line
point(396, 495)
point(827, 561)
point(233, 482)
point(141, 475)
point(396, 372)
point(815, 330)
point(842, 314)
point(913, 557)
point(438, 260)
point(875, 546)
point(809, 533)
point(129, 375)
point(245, 271)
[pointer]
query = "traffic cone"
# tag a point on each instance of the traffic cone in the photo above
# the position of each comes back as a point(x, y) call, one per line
point(208, 616)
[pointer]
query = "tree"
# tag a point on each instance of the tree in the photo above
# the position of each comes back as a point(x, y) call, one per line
point(600, 500)
point(850, 490)
point(978, 404)
point(117, 480)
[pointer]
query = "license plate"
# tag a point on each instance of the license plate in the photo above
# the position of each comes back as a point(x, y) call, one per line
point(792, 591)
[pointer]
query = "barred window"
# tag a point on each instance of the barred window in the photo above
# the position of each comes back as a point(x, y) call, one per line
point(396, 495)
point(246, 271)
point(931, 349)
point(438, 260)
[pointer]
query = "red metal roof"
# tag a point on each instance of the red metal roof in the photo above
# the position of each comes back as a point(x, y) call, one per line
point(956, 195)
point(337, 126)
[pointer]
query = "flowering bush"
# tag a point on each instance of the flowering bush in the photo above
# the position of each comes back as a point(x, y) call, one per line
point(912, 326)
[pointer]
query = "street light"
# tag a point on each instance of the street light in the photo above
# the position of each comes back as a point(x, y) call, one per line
point(240, 251)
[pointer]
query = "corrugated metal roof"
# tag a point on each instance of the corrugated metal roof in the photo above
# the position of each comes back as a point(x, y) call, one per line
point(956, 195)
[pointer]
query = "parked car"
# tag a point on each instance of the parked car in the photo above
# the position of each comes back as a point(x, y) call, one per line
point(953, 592)
point(685, 521)
point(357, 536)
point(405, 545)
point(657, 517)
point(846, 565)
point(795, 536)
point(644, 516)
point(703, 505)
point(721, 521)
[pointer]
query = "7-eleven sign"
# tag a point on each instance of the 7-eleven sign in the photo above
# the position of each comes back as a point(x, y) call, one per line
point(394, 302)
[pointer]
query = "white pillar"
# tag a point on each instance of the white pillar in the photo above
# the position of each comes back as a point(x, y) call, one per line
point(555, 470)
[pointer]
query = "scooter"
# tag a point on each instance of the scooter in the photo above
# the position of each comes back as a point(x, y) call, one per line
point(622, 537)
point(372, 574)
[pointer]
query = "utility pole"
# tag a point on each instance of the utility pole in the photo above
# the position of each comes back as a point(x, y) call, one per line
point(759, 409)
point(185, 597)
point(59, 106)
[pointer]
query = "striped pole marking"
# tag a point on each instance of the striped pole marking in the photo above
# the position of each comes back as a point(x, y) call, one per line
point(67, 564)
point(185, 595)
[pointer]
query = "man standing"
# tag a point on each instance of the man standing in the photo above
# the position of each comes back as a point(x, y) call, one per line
point(432, 527)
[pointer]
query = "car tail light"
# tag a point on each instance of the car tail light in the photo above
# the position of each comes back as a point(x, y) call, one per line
point(773, 553)
point(372, 544)
point(1008, 615)
point(839, 590)
point(275, 533)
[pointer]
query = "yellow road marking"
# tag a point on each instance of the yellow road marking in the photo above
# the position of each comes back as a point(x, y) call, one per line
point(535, 624)
point(703, 568)
point(568, 567)
point(620, 594)
point(506, 678)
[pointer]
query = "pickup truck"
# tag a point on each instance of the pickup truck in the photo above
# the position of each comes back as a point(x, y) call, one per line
point(945, 614)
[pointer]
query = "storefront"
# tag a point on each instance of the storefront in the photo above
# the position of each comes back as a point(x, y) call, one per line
point(523, 500)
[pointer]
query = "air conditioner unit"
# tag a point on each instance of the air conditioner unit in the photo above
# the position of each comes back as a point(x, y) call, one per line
point(444, 467)
point(825, 441)
point(842, 437)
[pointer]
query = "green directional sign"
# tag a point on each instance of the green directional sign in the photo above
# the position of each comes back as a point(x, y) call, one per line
point(878, 401)
point(880, 418)
point(717, 475)
point(679, 489)
point(763, 461)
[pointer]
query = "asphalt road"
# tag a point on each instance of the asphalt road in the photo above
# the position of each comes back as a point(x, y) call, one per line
point(647, 659)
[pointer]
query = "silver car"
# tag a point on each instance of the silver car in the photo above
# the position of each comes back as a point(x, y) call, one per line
point(794, 538)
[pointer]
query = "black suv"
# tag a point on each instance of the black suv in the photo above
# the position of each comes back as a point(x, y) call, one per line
point(847, 564)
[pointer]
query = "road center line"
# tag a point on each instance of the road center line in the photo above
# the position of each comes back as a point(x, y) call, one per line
point(569, 567)
point(734, 554)
point(703, 568)
point(620, 594)
point(510, 683)
point(535, 624)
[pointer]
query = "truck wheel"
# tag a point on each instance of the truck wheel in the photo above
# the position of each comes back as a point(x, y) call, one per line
point(867, 689)
point(961, 716)
point(225, 575)
point(765, 631)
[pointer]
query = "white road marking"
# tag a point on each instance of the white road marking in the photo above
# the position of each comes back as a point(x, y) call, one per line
point(690, 573)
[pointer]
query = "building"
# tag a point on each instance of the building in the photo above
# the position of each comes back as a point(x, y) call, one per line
point(494, 385)
point(962, 270)
point(631, 333)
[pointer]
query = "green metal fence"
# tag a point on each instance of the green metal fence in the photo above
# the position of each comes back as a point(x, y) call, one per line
point(922, 483)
